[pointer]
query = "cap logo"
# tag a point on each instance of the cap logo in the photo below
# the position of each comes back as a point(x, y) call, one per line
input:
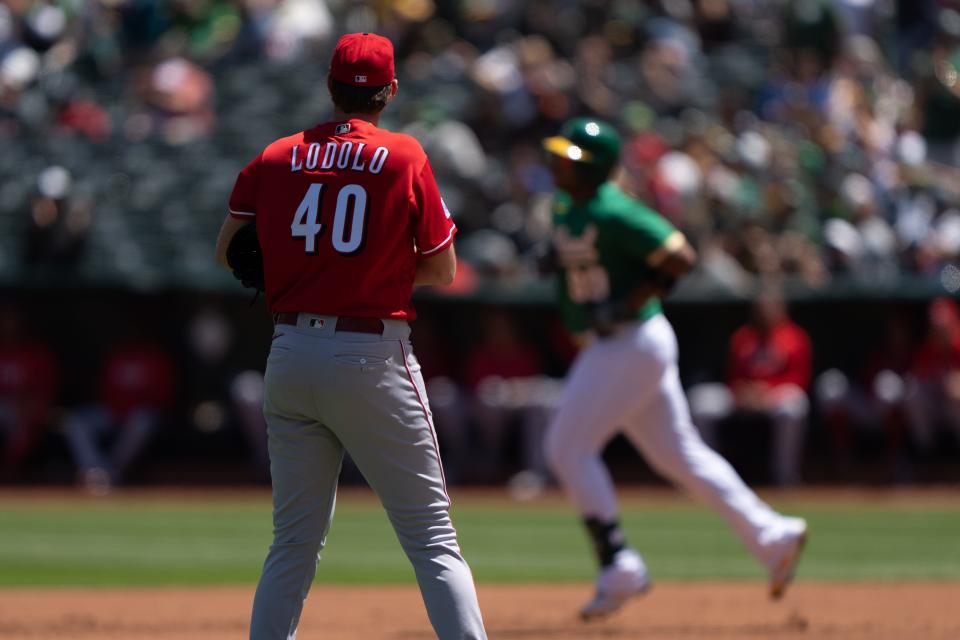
point(363, 60)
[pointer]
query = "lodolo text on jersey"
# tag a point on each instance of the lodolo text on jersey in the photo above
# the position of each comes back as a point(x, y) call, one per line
point(342, 155)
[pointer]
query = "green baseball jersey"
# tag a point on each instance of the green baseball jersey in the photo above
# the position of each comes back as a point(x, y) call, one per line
point(607, 247)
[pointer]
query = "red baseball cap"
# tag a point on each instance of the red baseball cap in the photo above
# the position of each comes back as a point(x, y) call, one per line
point(363, 60)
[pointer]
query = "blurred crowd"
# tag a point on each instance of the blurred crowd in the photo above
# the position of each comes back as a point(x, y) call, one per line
point(800, 141)
point(809, 139)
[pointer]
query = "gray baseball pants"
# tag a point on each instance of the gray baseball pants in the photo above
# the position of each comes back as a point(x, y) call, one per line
point(328, 392)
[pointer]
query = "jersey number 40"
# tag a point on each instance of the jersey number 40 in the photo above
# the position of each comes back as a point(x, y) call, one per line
point(349, 219)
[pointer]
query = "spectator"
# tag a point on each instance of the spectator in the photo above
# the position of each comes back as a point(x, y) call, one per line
point(865, 244)
point(940, 98)
point(106, 438)
point(28, 385)
point(768, 372)
point(501, 371)
point(933, 387)
point(447, 399)
point(58, 222)
point(179, 97)
point(871, 405)
point(221, 391)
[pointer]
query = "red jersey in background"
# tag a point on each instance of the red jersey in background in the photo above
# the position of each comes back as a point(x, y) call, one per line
point(343, 212)
point(934, 359)
point(137, 375)
point(779, 357)
point(519, 362)
point(940, 352)
point(28, 378)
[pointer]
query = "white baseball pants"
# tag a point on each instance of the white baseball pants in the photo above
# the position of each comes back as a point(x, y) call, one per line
point(711, 402)
point(328, 392)
point(629, 383)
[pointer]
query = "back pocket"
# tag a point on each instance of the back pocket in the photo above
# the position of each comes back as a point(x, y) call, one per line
point(361, 361)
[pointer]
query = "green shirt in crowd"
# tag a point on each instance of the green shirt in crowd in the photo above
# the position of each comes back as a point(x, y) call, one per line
point(606, 247)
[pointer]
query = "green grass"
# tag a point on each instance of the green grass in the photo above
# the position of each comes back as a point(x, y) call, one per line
point(222, 541)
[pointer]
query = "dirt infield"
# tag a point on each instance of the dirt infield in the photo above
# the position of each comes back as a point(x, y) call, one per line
point(689, 610)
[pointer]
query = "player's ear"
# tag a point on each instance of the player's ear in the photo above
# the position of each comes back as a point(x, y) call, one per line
point(394, 88)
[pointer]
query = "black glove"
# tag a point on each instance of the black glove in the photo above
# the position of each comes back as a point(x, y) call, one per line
point(245, 258)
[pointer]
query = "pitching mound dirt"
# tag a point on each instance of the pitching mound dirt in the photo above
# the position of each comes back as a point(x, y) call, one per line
point(690, 610)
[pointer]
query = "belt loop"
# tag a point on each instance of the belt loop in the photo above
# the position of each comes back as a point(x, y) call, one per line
point(396, 330)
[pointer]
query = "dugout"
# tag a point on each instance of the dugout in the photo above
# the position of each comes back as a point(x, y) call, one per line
point(80, 322)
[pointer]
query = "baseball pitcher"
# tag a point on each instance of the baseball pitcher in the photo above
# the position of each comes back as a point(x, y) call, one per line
point(348, 219)
point(616, 258)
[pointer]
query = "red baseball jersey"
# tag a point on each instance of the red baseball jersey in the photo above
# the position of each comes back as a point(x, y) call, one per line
point(936, 358)
point(783, 356)
point(137, 375)
point(28, 373)
point(343, 212)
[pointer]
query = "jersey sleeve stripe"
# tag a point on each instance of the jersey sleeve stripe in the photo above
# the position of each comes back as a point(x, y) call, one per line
point(673, 243)
point(442, 244)
point(243, 214)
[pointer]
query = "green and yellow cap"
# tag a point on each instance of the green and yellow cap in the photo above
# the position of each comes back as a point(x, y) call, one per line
point(588, 141)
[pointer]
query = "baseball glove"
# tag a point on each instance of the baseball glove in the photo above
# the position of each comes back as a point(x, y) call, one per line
point(245, 258)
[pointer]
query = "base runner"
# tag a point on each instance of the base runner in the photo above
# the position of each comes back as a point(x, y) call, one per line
point(616, 259)
point(349, 219)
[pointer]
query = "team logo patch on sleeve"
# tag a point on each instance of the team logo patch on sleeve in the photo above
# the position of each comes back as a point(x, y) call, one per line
point(342, 128)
